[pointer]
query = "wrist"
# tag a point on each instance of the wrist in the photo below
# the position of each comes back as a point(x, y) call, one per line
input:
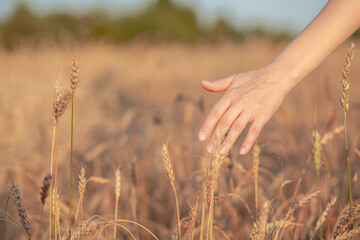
point(284, 74)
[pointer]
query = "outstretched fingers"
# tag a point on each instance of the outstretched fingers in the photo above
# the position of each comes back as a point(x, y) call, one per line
point(252, 134)
point(213, 117)
point(235, 130)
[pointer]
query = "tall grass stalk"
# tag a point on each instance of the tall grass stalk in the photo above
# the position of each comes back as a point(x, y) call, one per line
point(117, 195)
point(344, 100)
point(317, 159)
point(51, 173)
point(73, 84)
point(171, 175)
point(256, 162)
point(56, 217)
point(71, 160)
point(215, 162)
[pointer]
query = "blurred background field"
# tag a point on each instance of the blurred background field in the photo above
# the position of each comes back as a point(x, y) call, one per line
point(139, 84)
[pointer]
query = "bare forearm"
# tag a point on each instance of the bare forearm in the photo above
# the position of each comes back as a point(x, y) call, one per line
point(335, 23)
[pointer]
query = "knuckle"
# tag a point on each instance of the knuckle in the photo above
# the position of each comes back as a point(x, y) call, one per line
point(254, 131)
point(214, 113)
point(224, 123)
point(238, 126)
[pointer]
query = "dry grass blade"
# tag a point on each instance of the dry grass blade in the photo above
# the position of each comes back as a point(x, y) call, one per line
point(19, 205)
point(323, 216)
point(298, 204)
point(97, 180)
point(327, 137)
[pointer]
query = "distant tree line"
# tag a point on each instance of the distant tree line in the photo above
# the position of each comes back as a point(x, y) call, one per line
point(160, 21)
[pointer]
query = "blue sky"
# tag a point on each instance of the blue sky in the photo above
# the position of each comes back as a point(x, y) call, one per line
point(277, 14)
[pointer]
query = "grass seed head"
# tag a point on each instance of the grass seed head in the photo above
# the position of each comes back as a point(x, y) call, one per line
point(74, 80)
point(344, 100)
point(82, 181)
point(45, 188)
point(117, 183)
point(317, 150)
point(60, 105)
point(19, 205)
point(168, 164)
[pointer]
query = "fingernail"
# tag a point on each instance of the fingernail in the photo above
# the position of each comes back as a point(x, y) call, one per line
point(242, 150)
point(202, 136)
point(209, 148)
point(222, 150)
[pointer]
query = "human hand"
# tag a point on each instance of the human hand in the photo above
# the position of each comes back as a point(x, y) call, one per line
point(250, 97)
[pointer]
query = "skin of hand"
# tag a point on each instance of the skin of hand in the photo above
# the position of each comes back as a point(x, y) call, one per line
point(254, 96)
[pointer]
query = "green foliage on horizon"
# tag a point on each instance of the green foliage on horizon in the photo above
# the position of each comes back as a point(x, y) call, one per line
point(160, 21)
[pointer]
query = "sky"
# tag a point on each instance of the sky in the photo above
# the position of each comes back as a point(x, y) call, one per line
point(287, 15)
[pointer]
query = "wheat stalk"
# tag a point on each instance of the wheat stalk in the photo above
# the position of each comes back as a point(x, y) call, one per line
point(215, 162)
point(191, 227)
point(74, 80)
point(296, 205)
point(256, 162)
point(317, 159)
point(81, 189)
point(117, 195)
point(171, 175)
point(345, 104)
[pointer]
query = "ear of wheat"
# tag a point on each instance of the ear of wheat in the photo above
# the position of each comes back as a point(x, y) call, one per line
point(21, 210)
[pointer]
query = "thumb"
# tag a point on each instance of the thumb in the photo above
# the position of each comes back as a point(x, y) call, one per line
point(218, 85)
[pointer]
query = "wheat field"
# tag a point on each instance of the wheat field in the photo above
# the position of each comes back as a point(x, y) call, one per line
point(133, 98)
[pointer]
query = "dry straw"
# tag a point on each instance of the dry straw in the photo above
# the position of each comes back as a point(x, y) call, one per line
point(296, 205)
point(19, 205)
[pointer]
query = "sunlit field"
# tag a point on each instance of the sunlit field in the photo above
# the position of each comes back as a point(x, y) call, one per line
point(133, 98)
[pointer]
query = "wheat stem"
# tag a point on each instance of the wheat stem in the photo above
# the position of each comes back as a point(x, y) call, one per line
point(71, 160)
point(51, 173)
